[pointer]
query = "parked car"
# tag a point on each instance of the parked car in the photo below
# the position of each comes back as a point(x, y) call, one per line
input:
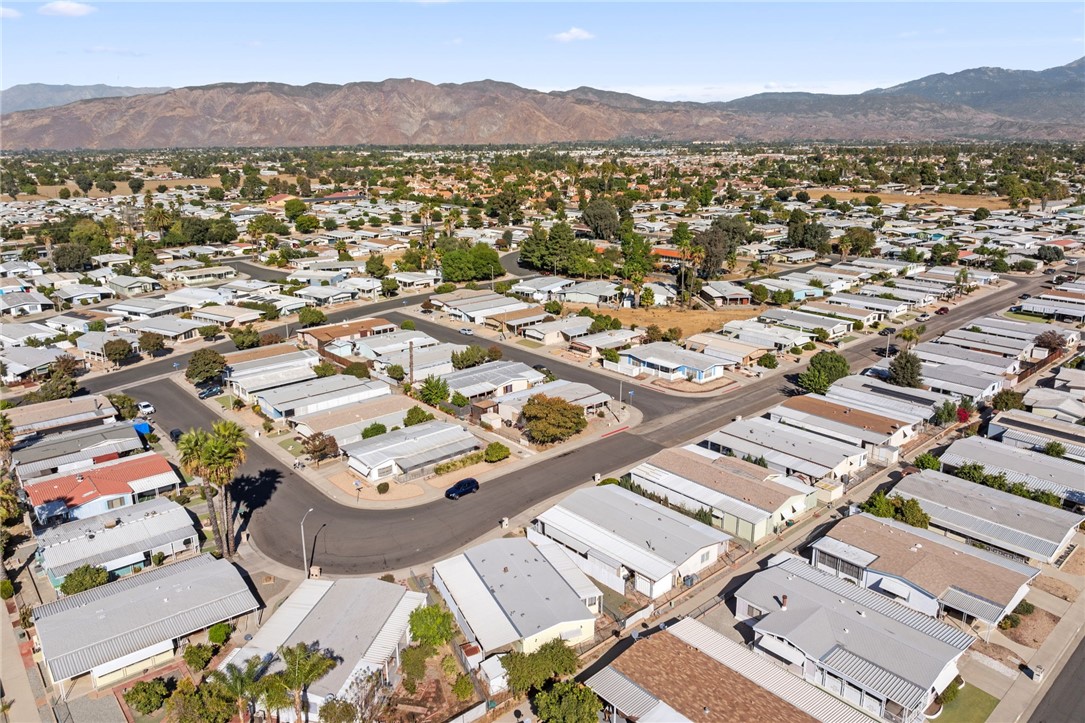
point(145, 408)
point(542, 370)
point(1071, 262)
point(210, 392)
point(1024, 296)
point(427, 311)
point(942, 311)
point(461, 488)
point(467, 332)
point(175, 435)
point(887, 331)
point(1049, 271)
point(923, 317)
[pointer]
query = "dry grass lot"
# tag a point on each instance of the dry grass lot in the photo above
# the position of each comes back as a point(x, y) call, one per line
point(991, 203)
point(1075, 564)
point(1034, 628)
point(690, 321)
point(999, 653)
point(1058, 588)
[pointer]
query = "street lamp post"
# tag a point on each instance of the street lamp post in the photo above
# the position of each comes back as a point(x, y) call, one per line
point(304, 552)
point(491, 277)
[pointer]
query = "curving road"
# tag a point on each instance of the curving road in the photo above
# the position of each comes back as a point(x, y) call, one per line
point(345, 540)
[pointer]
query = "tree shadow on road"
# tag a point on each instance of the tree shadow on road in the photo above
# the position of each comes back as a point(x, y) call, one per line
point(251, 492)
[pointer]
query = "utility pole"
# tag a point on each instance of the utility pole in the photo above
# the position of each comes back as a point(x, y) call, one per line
point(410, 360)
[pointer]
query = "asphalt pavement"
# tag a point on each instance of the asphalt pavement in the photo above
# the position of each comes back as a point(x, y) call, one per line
point(1064, 702)
point(352, 541)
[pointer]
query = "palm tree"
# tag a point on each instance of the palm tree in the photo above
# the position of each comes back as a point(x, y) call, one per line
point(239, 682)
point(7, 438)
point(273, 695)
point(303, 665)
point(845, 246)
point(192, 446)
point(9, 507)
point(229, 448)
point(157, 218)
point(908, 335)
point(755, 267)
point(961, 277)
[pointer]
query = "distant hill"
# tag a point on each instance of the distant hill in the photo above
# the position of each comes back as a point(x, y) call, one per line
point(40, 95)
point(981, 104)
point(1052, 95)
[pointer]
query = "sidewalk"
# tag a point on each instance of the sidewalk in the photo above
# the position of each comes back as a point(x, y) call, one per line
point(14, 680)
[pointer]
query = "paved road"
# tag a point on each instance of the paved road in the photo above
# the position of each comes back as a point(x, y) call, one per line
point(1064, 702)
point(350, 541)
point(511, 264)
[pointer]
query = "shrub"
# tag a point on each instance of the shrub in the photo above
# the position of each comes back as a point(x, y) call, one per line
point(83, 578)
point(219, 633)
point(796, 350)
point(444, 288)
point(927, 461)
point(382, 488)
point(609, 481)
point(768, 361)
point(410, 686)
point(158, 558)
point(449, 666)
point(950, 693)
point(458, 400)
point(388, 577)
point(7, 590)
point(413, 661)
point(455, 464)
point(809, 346)
point(198, 656)
point(495, 452)
point(1024, 608)
point(1010, 621)
point(395, 371)
point(462, 688)
point(147, 696)
point(269, 426)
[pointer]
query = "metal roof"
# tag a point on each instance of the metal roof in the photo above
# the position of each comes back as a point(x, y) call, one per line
point(1017, 524)
point(873, 677)
point(71, 447)
point(633, 701)
point(1034, 469)
point(90, 541)
point(490, 377)
point(96, 627)
point(413, 447)
point(642, 535)
point(483, 615)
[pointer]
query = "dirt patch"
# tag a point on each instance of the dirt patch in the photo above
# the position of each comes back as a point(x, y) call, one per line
point(690, 321)
point(1033, 629)
point(991, 203)
point(1075, 564)
point(1058, 588)
point(997, 652)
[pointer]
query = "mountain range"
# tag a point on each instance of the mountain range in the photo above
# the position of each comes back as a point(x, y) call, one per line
point(30, 96)
point(977, 104)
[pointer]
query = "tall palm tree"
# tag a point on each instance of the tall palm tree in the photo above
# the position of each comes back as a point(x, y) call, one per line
point(272, 695)
point(844, 244)
point(239, 682)
point(9, 507)
point(229, 448)
point(303, 665)
point(7, 439)
point(191, 447)
point(157, 218)
point(961, 277)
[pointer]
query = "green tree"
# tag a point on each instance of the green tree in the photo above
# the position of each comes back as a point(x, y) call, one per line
point(906, 370)
point(946, 413)
point(910, 512)
point(124, 404)
point(1054, 449)
point(601, 217)
point(768, 361)
point(309, 316)
point(306, 223)
point(359, 370)
point(375, 266)
point(927, 461)
point(191, 449)
point(272, 695)
point(205, 704)
point(495, 452)
point(151, 343)
point(433, 391)
point(117, 350)
point(135, 185)
point(294, 208)
point(825, 368)
point(472, 356)
point(462, 688)
point(431, 625)
point(240, 683)
point(245, 337)
point(303, 665)
point(878, 505)
point(83, 578)
point(321, 446)
point(375, 429)
point(416, 415)
point(568, 702)
point(395, 371)
point(209, 332)
point(71, 257)
point(338, 711)
point(1008, 399)
point(647, 299)
point(534, 670)
point(552, 419)
point(759, 293)
point(389, 287)
point(147, 696)
point(205, 365)
point(408, 325)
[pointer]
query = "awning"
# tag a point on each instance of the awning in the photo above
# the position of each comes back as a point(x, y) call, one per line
point(781, 650)
point(895, 587)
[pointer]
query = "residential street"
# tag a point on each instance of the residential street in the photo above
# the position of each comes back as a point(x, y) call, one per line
point(350, 541)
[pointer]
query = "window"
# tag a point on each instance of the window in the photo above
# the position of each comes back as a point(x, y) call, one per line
point(115, 503)
point(705, 555)
point(754, 612)
point(843, 567)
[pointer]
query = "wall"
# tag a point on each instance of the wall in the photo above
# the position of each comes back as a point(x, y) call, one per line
point(599, 570)
point(573, 632)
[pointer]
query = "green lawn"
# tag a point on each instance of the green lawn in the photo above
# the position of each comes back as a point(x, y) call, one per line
point(530, 344)
point(1024, 317)
point(292, 447)
point(225, 400)
point(972, 705)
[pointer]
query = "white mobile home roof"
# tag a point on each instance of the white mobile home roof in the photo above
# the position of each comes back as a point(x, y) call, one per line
point(639, 533)
point(93, 628)
point(1008, 521)
point(1034, 469)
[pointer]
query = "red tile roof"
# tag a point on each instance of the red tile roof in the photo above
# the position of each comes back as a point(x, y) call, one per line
point(110, 478)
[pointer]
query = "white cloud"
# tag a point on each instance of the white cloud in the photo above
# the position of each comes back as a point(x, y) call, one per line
point(454, 41)
point(254, 44)
point(67, 9)
point(572, 34)
point(10, 13)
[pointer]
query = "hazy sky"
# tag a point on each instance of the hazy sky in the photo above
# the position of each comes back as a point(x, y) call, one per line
point(667, 51)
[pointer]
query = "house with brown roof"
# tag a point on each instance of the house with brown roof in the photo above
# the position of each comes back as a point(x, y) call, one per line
point(690, 672)
point(61, 415)
point(318, 336)
point(746, 500)
point(923, 570)
point(829, 418)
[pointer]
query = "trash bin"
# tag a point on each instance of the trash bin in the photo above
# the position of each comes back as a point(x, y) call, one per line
point(504, 523)
point(1038, 674)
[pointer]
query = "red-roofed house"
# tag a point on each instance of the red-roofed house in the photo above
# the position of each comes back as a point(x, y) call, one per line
point(104, 487)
